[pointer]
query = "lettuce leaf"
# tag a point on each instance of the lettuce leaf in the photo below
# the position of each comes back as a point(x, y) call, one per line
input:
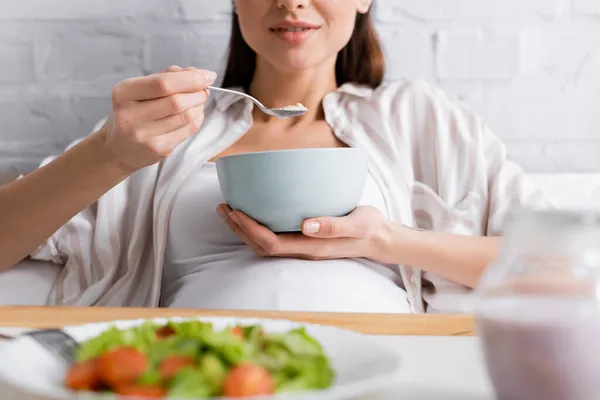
point(214, 372)
point(141, 337)
point(298, 342)
point(190, 383)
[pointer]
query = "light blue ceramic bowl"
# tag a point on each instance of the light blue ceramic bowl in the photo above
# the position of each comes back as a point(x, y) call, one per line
point(280, 189)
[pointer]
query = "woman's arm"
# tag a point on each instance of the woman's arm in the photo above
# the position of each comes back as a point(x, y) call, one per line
point(472, 183)
point(34, 207)
point(367, 233)
point(7, 177)
point(458, 258)
point(150, 117)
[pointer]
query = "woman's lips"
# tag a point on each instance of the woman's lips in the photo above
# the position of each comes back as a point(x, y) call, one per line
point(293, 35)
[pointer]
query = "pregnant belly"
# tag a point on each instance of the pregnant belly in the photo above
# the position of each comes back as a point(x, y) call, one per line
point(288, 284)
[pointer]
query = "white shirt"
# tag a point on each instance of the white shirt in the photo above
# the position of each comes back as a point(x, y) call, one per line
point(437, 164)
point(208, 266)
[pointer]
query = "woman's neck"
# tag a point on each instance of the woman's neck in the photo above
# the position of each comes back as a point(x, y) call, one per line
point(276, 88)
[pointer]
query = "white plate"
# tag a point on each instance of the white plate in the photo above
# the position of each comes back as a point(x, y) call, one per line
point(362, 365)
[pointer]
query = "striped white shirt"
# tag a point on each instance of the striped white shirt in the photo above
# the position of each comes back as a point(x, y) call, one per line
point(437, 164)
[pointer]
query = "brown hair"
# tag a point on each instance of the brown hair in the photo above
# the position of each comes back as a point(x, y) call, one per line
point(361, 61)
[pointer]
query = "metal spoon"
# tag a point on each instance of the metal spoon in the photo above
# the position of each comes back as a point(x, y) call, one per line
point(274, 112)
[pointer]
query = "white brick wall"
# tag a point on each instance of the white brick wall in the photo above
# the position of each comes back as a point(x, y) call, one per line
point(530, 67)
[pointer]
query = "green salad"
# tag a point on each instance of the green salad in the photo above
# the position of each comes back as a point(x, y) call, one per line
point(192, 359)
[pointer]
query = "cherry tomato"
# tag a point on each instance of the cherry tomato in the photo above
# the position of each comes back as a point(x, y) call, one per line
point(237, 331)
point(83, 376)
point(248, 380)
point(164, 332)
point(122, 366)
point(170, 366)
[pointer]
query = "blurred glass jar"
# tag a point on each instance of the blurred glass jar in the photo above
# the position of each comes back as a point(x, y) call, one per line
point(538, 308)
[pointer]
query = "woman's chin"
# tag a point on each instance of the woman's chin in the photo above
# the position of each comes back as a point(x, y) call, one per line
point(297, 63)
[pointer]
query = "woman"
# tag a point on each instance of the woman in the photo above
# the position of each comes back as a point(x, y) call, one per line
point(149, 235)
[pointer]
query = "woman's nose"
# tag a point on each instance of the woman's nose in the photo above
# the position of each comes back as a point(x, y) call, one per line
point(292, 5)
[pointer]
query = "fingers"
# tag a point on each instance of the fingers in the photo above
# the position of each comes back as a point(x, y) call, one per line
point(173, 68)
point(329, 227)
point(163, 84)
point(266, 243)
point(356, 225)
point(259, 234)
point(271, 244)
point(151, 110)
point(166, 143)
point(184, 81)
point(224, 211)
point(174, 122)
point(152, 115)
point(336, 237)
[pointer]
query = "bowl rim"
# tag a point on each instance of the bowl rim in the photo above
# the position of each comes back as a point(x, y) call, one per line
point(318, 149)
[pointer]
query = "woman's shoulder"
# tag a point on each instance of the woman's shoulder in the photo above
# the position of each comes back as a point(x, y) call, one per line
point(404, 88)
point(416, 100)
point(420, 93)
point(426, 107)
point(421, 118)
